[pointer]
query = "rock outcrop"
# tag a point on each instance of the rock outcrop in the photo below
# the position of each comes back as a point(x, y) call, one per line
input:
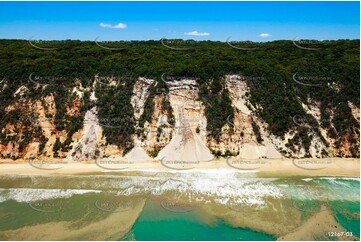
point(177, 132)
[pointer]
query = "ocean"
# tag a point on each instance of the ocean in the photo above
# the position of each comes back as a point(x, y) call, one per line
point(190, 205)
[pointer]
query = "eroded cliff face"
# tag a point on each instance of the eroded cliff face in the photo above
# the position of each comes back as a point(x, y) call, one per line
point(31, 117)
point(87, 146)
point(244, 139)
point(189, 138)
point(154, 134)
point(176, 129)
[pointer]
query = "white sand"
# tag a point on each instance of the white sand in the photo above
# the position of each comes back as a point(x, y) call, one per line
point(255, 151)
point(137, 154)
point(250, 151)
point(186, 145)
point(331, 167)
point(271, 152)
point(183, 148)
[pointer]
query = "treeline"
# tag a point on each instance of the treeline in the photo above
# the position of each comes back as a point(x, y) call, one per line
point(276, 73)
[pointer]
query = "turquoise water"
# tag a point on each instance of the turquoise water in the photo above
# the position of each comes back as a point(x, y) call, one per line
point(345, 208)
point(155, 223)
point(348, 215)
point(93, 202)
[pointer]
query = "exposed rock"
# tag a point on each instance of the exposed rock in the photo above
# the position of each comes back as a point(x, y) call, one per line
point(21, 91)
point(187, 144)
point(184, 138)
point(87, 147)
point(140, 95)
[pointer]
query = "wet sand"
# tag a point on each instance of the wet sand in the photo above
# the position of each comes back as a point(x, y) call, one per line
point(318, 227)
point(288, 224)
point(279, 218)
point(113, 227)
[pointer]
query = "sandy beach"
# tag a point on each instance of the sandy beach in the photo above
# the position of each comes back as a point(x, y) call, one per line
point(212, 190)
point(335, 167)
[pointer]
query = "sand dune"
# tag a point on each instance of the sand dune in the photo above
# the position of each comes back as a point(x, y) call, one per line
point(256, 151)
point(185, 146)
point(137, 154)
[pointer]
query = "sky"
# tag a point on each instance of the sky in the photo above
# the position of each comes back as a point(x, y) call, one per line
point(255, 21)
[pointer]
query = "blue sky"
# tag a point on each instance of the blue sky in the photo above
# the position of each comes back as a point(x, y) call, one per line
point(256, 21)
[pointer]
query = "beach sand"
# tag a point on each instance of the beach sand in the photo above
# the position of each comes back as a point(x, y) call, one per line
point(333, 167)
point(280, 218)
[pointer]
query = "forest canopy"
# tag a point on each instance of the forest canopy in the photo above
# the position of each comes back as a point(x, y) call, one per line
point(279, 75)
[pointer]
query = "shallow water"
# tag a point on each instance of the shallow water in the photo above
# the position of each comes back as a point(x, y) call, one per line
point(171, 206)
point(157, 223)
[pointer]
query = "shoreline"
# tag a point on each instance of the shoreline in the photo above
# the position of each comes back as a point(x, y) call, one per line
point(305, 167)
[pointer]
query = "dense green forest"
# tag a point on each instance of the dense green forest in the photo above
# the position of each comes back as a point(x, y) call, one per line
point(331, 75)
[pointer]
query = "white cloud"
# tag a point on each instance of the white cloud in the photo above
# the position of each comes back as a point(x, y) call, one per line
point(264, 35)
point(118, 26)
point(195, 33)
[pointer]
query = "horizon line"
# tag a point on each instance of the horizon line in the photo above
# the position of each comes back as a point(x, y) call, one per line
point(204, 40)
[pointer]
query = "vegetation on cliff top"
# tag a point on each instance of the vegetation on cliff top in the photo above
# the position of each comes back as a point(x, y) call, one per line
point(274, 70)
